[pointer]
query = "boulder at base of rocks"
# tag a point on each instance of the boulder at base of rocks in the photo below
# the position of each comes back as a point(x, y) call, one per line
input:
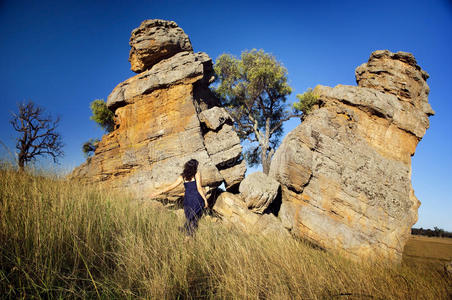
point(233, 210)
point(345, 172)
point(258, 191)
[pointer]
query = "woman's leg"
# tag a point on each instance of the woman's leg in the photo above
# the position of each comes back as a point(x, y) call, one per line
point(191, 220)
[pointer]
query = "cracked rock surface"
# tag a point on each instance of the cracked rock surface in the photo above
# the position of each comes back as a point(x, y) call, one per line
point(345, 172)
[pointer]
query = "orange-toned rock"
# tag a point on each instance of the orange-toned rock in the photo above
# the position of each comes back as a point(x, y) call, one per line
point(345, 172)
point(159, 127)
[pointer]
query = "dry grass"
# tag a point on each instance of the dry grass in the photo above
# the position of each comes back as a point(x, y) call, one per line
point(63, 240)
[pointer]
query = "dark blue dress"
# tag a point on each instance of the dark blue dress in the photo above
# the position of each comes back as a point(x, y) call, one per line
point(193, 205)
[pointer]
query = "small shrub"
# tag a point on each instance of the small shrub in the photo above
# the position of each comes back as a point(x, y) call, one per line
point(102, 115)
point(306, 101)
point(89, 147)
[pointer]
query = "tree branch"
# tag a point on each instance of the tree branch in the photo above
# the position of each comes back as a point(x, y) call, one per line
point(38, 135)
point(279, 124)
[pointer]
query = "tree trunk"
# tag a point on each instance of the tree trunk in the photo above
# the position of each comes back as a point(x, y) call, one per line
point(265, 162)
point(21, 164)
point(264, 158)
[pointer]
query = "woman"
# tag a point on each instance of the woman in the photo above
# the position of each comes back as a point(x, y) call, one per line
point(194, 199)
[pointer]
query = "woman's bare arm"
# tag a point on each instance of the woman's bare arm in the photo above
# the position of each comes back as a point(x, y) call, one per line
point(168, 188)
point(199, 187)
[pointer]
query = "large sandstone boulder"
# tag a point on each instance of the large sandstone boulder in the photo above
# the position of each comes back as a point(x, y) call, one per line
point(155, 40)
point(398, 74)
point(182, 68)
point(234, 211)
point(345, 171)
point(258, 191)
point(163, 118)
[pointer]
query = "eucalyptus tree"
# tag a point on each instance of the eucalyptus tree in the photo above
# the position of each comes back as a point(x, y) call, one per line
point(254, 90)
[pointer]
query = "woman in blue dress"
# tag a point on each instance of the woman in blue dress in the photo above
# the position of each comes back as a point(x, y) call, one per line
point(194, 199)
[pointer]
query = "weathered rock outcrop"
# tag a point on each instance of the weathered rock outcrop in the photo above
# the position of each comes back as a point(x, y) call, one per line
point(155, 40)
point(345, 171)
point(182, 68)
point(233, 210)
point(163, 118)
point(258, 191)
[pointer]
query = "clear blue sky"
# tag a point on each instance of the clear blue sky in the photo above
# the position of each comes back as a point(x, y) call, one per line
point(64, 54)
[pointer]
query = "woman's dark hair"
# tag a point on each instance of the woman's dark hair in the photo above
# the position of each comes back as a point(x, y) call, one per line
point(190, 169)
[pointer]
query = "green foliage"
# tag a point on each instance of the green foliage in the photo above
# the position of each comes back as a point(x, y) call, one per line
point(305, 102)
point(252, 156)
point(89, 147)
point(102, 115)
point(254, 89)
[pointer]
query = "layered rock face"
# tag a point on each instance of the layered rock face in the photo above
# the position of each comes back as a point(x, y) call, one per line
point(165, 116)
point(345, 172)
point(155, 40)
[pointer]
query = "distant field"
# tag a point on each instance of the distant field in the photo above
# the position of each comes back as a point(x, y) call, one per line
point(428, 249)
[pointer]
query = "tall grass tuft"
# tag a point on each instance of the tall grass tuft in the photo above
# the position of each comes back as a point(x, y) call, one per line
point(60, 239)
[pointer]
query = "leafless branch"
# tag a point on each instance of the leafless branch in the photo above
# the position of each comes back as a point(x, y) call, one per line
point(38, 134)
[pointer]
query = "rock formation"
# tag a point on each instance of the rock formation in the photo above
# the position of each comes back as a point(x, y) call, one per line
point(345, 172)
point(258, 191)
point(164, 116)
point(155, 40)
point(250, 209)
point(233, 210)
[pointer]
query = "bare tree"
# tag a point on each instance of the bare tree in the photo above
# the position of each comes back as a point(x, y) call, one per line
point(37, 134)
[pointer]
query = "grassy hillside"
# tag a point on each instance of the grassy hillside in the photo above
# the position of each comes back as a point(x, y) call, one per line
point(60, 239)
